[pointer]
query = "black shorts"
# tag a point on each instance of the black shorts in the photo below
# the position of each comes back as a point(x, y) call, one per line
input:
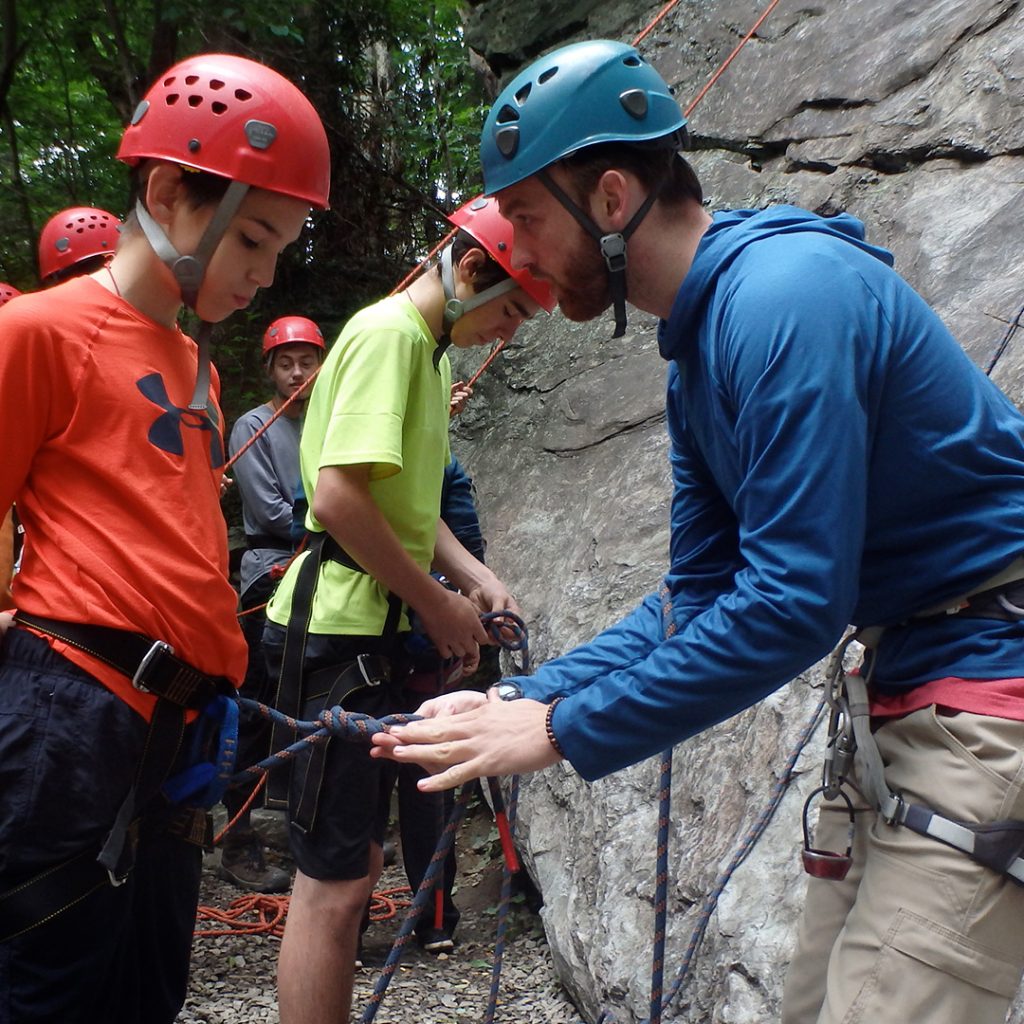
point(354, 799)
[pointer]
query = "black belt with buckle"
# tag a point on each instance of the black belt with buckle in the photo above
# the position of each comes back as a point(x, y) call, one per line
point(154, 669)
point(150, 664)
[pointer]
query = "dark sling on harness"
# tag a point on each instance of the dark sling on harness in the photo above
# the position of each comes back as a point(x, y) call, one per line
point(179, 688)
point(289, 696)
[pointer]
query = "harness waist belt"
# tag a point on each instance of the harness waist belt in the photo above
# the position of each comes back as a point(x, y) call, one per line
point(258, 541)
point(997, 845)
point(334, 551)
point(151, 665)
point(983, 600)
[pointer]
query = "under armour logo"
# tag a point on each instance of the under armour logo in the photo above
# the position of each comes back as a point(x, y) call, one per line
point(166, 431)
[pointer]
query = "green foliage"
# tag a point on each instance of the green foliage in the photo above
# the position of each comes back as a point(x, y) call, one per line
point(391, 80)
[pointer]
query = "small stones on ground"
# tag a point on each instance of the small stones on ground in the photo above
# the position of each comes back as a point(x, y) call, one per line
point(233, 977)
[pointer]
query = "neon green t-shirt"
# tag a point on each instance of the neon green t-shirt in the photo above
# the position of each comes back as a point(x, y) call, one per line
point(380, 401)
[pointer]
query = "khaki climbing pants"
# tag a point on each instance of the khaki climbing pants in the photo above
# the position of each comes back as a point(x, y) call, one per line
point(917, 931)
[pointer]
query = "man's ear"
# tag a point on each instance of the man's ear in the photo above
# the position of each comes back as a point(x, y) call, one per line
point(609, 202)
point(163, 192)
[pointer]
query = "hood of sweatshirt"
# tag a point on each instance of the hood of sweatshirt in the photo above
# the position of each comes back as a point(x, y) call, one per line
point(730, 233)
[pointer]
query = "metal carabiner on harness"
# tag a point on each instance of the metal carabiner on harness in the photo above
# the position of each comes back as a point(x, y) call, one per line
point(840, 745)
point(840, 748)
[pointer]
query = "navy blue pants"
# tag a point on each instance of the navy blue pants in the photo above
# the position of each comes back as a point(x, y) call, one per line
point(68, 751)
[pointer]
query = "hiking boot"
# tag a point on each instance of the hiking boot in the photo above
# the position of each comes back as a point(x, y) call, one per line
point(435, 941)
point(242, 862)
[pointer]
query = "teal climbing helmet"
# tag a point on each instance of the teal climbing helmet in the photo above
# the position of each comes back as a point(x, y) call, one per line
point(576, 96)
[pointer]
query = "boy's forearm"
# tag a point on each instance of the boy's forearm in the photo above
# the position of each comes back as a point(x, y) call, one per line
point(452, 559)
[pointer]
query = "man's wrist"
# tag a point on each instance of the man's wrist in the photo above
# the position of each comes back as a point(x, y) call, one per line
point(549, 729)
point(506, 689)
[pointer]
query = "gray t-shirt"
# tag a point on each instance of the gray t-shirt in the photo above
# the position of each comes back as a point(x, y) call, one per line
point(267, 476)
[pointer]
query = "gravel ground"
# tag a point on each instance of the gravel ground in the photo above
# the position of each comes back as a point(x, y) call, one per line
point(232, 978)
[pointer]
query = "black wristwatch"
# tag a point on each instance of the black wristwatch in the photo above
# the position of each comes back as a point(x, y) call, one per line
point(507, 690)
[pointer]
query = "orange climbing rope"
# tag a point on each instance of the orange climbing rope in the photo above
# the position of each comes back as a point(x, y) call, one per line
point(655, 21)
point(293, 397)
point(309, 380)
point(728, 60)
point(257, 914)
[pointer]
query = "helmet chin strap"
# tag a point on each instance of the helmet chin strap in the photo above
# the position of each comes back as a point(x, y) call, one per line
point(189, 271)
point(455, 308)
point(613, 246)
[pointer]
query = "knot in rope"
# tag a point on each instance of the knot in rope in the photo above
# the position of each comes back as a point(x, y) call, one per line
point(356, 726)
point(509, 632)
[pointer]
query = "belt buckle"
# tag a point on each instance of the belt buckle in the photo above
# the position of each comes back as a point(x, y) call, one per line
point(361, 663)
point(159, 647)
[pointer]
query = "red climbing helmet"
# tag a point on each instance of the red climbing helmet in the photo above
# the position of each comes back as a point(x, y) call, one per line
point(235, 118)
point(292, 330)
point(7, 292)
point(481, 218)
point(74, 235)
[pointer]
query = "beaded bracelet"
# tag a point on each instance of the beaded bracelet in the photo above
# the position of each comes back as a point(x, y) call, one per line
point(552, 739)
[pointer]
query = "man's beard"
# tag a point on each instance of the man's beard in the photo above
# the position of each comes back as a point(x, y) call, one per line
point(586, 293)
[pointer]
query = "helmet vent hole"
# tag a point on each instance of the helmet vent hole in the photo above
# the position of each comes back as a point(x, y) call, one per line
point(546, 76)
point(241, 94)
point(191, 79)
point(171, 99)
point(195, 101)
point(168, 82)
point(216, 83)
point(632, 61)
point(508, 114)
point(523, 93)
point(217, 107)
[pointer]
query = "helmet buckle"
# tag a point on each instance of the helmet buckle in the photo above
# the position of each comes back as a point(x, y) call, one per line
point(613, 249)
point(188, 272)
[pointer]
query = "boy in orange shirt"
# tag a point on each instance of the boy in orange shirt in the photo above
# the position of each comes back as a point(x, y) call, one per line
point(126, 626)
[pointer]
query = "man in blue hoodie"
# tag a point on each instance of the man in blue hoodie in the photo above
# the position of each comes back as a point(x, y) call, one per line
point(836, 459)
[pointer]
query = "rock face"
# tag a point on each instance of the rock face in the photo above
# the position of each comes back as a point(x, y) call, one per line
point(910, 115)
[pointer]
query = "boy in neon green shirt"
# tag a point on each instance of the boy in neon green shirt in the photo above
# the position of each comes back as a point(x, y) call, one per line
point(373, 453)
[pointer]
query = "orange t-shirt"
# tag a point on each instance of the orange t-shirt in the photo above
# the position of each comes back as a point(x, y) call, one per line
point(117, 482)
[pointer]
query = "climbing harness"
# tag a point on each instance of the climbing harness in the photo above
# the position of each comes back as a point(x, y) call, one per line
point(364, 672)
point(507, 629)
point(154, 669)
point(851, 749)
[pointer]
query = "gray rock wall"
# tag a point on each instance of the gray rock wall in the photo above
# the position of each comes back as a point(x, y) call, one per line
point(906, 113)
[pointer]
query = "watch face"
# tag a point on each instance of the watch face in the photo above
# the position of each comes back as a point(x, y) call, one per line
point(508, 690)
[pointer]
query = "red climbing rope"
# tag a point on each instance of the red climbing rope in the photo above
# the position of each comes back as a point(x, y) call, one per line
point(258, 914)
point(655, 21)
point(294, 396)
point(728, 60)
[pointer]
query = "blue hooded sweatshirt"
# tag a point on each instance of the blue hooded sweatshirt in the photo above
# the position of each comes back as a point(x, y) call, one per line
point(836, 458)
